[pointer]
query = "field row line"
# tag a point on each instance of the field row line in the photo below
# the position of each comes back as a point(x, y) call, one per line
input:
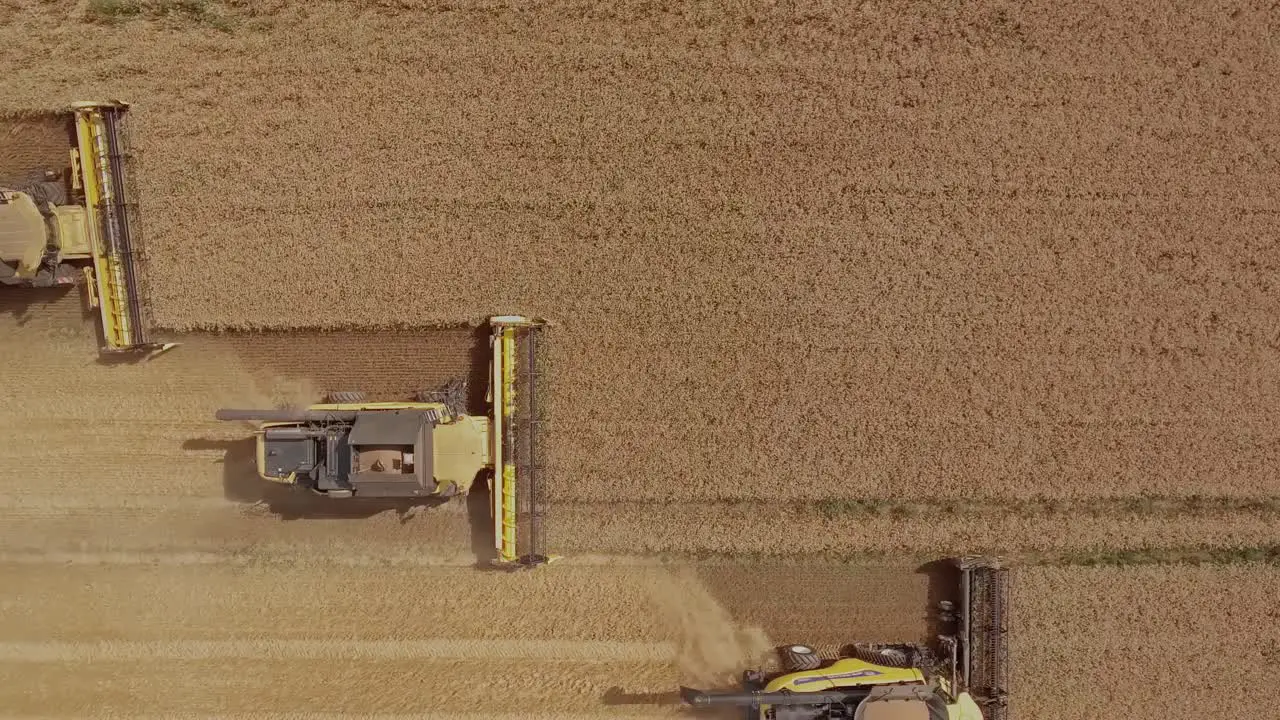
point(289, 556)
point(1203, 555)
point(577, 651)
point(977, 507)
point(71, 503)
point(1157, 505)
point(56, 505)
point(1173, 555)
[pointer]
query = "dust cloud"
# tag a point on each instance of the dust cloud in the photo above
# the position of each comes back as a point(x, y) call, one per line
point(712, 649)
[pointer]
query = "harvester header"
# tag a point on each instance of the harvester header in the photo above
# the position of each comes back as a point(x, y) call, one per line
point(517, 491)
point(112, 214)
point(981, 642)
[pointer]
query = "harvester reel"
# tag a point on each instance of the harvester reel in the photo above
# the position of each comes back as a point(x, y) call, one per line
point(800, 657)
point(345, 397)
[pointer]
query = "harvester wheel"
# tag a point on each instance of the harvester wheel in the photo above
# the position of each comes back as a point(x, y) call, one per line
point(346, 397)
point(947, 612)
point(894, 657)
point(800, 657)
point(901, 656)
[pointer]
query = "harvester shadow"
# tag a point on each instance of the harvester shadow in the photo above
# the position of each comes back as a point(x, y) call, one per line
point(241, 484)
point(944, 586)
point(480, 519)
point(25, 304)
point(478, 378)
point(124, 358)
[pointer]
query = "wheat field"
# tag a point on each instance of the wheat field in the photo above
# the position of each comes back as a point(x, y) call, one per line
point(1127, 642)
point(834, 288)
point(993, 250)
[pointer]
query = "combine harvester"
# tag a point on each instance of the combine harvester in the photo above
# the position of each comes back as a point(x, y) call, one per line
point(964, 678)
point(79, 226)
point(349, 449)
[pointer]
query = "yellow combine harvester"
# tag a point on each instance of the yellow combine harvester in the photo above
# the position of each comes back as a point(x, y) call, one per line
point(349, 449)
point(79, 226)
point(967, 680)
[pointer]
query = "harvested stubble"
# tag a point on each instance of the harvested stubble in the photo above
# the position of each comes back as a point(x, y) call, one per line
point(562, 637)
point(1131, 643)
point(117, 457)
point(223, 639)
point(805, 251)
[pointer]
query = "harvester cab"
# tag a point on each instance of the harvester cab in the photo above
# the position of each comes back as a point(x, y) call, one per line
point(80, 226)
point(350, 449)
point(965, 677)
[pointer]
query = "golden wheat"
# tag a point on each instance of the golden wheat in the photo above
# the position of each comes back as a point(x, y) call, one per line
point(793, 252)
point(1126, 642)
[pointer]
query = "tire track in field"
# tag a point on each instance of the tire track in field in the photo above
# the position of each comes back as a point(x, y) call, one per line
point(283, 556)
point(70, 504)
point(573, 651)
point(287, 555)
point(226, 527)
point(250, 686)
point(98, 505)
point(612, 712)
